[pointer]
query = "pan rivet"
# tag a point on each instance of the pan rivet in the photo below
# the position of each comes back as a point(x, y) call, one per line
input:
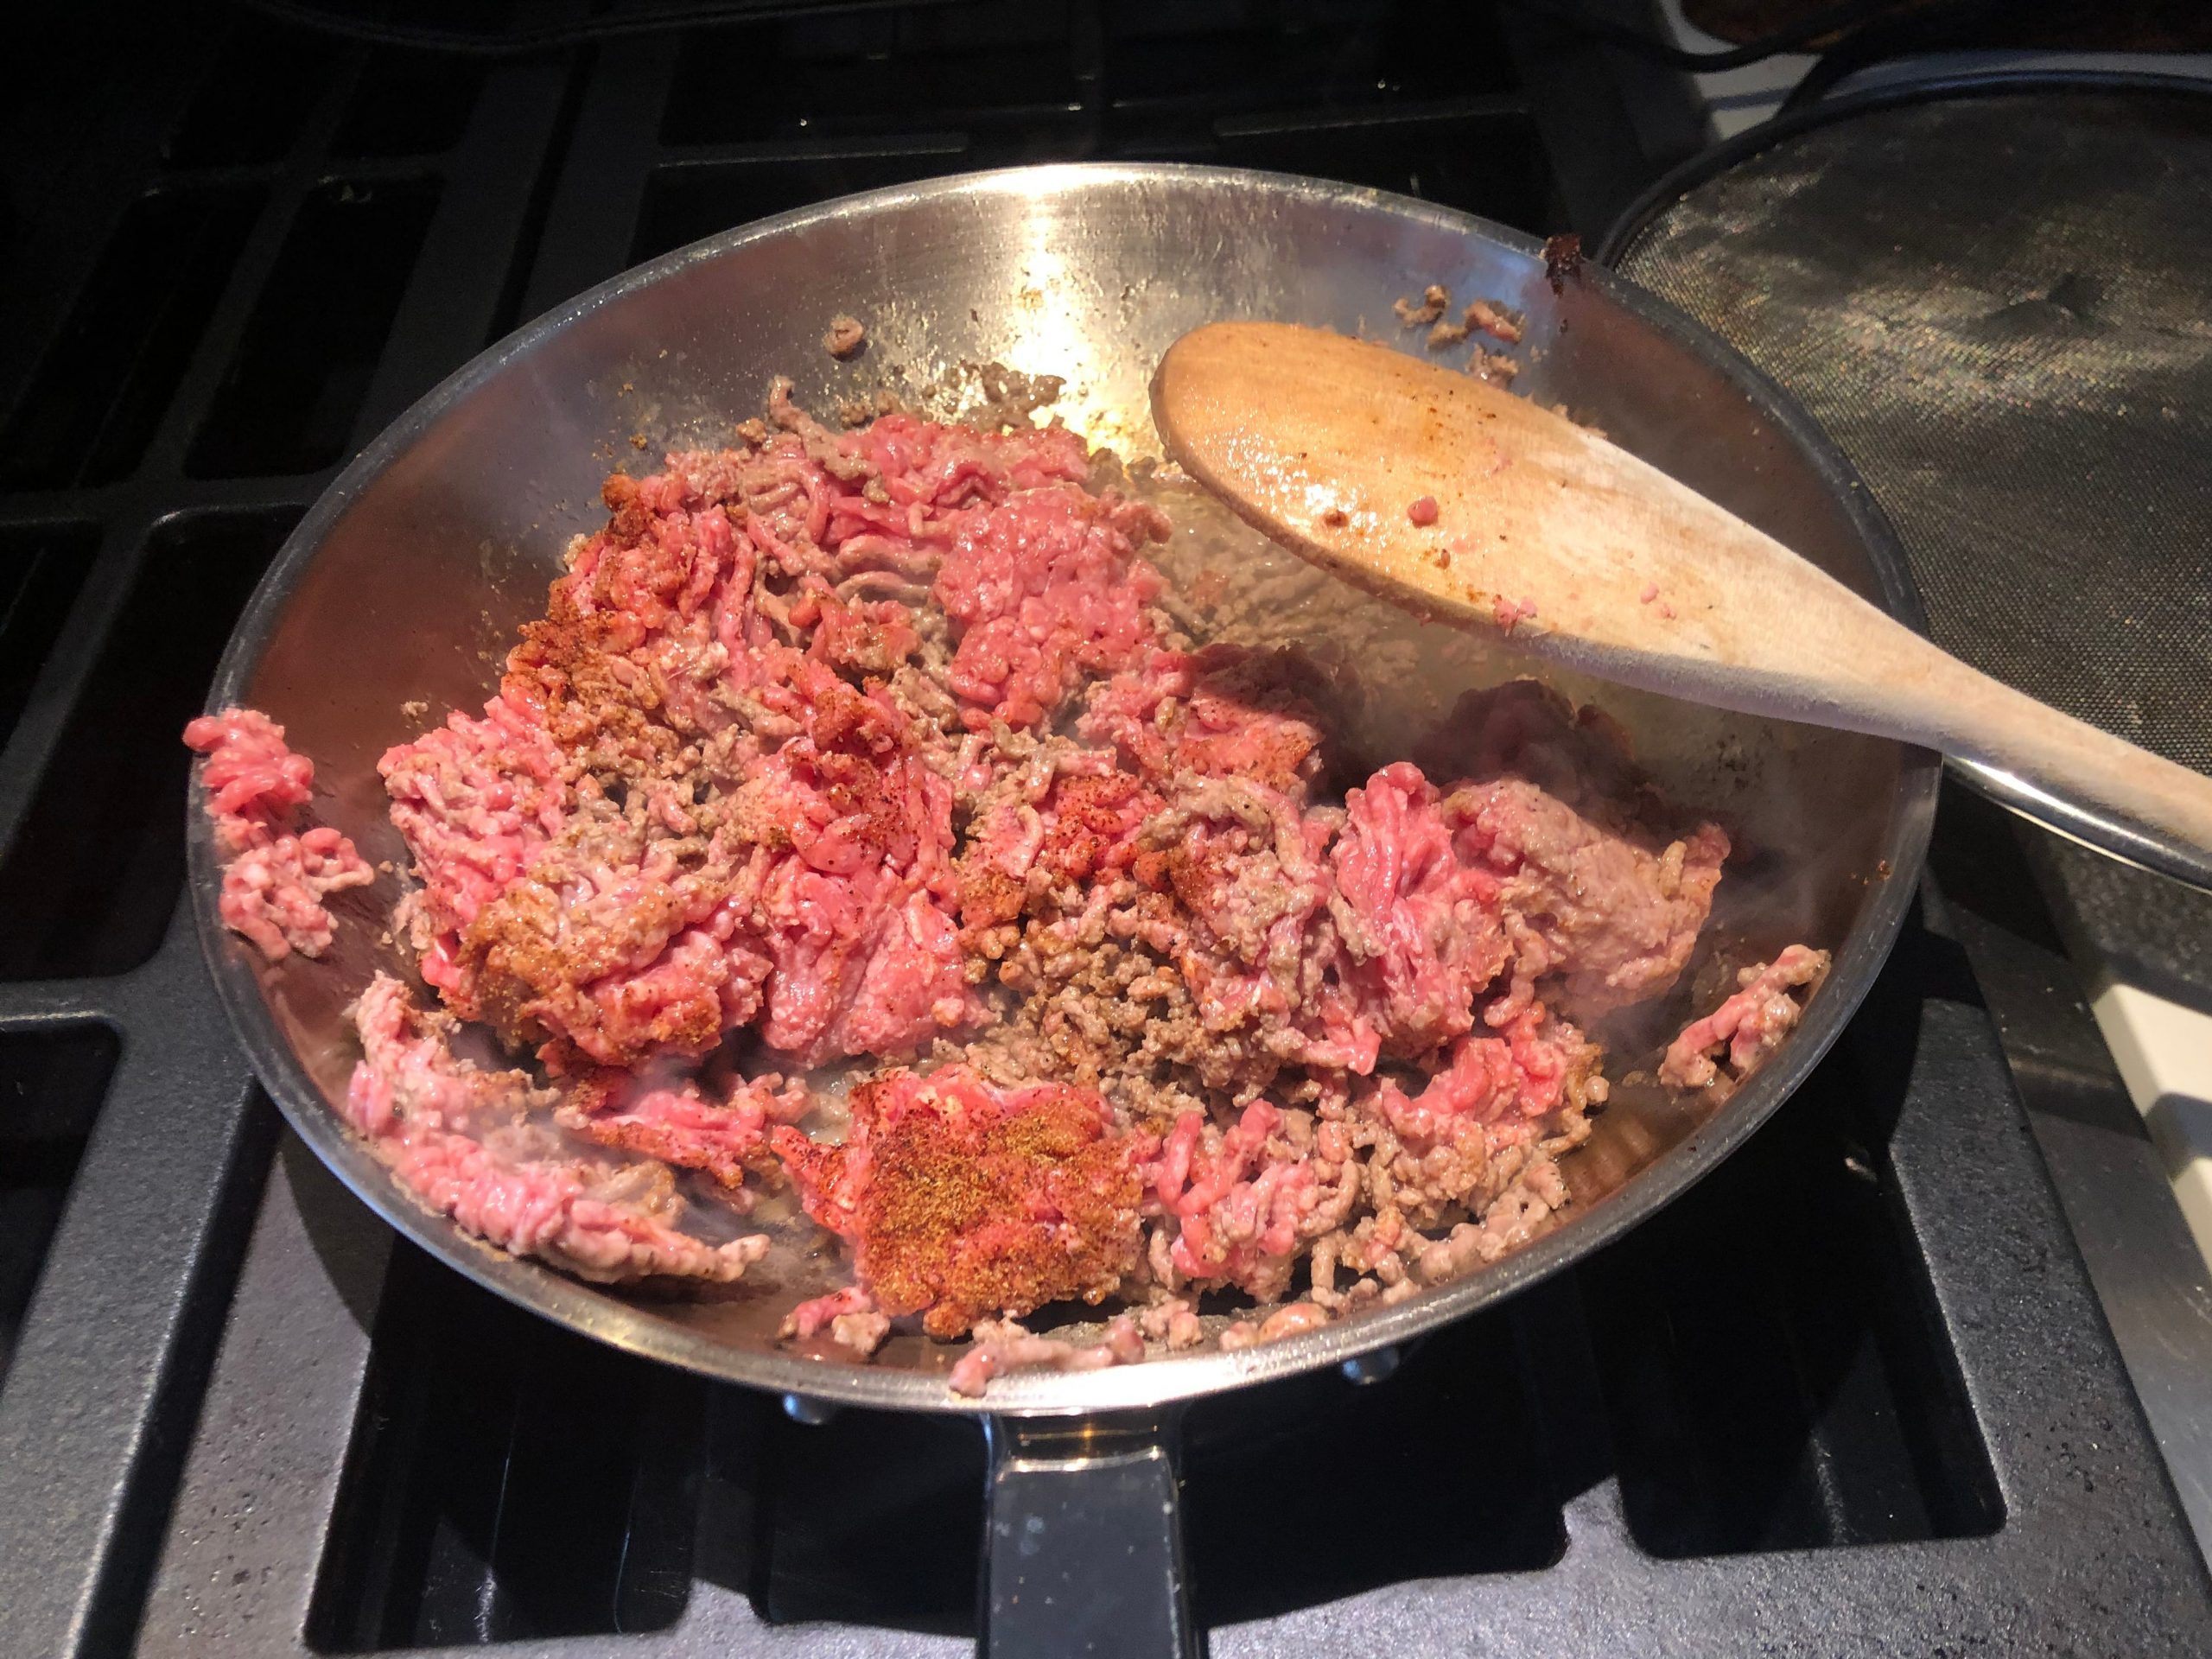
point(1370, 1368)
point(806, 1409)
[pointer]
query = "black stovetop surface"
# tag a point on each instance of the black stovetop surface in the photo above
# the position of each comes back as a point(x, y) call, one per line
point(1853, 1394)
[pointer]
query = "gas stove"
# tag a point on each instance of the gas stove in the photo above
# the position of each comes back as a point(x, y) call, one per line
point(1917, 1371)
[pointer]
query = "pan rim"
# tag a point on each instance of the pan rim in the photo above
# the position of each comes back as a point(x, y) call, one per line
point(1159, 1382)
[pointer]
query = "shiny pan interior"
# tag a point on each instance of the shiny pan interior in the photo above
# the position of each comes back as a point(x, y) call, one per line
point(408, 577)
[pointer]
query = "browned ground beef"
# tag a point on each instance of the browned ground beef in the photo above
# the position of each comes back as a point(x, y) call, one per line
point(1150, 968)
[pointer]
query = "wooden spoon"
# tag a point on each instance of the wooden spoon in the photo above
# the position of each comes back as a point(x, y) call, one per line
point(1462, 502)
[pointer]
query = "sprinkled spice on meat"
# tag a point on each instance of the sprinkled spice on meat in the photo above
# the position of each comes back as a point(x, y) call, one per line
point(869, 823)
point(961, 1199)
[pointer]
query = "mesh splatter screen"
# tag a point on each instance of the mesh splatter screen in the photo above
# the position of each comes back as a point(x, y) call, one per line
point(2000, 307)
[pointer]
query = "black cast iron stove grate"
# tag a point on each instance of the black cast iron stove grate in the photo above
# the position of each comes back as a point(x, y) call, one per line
point(1853, 1395)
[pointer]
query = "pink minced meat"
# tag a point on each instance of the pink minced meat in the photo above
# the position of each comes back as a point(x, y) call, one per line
point(1002, 1345)
point(1451, 1134)
point(275, 881)
point(1244, 1201)
point(274, 894)
point(1423, 931)
point(1045, 590)
point(1520, 1067)
point(476, 800)
point(1591, 891)
point(709, 795)
point(887, 746)
point(1332, 937)
point(1227, 748)
point(1068, 817)
point(850, 1316)
point(853, 861)
point(1247, 871)
point(1610, 910)
point(254, 782)
point(1222, 712)
point(476, 1146)
point(681, 1124)
point(1749, 1024)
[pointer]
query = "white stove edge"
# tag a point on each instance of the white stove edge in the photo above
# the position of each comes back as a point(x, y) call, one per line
point(1736, 100)
point(2164, 1050)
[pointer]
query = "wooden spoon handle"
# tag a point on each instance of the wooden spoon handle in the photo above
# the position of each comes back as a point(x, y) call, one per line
point(2066, 772)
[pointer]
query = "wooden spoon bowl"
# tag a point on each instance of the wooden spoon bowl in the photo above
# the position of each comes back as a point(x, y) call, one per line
point(1450, 496)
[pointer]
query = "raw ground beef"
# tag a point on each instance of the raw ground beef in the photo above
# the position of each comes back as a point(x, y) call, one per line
point(476, 1146)
point(717, 788)
point(1002, 1345)
point(275, 881)
point(677, 1123)
point(886, 762)
point(1749, 1026)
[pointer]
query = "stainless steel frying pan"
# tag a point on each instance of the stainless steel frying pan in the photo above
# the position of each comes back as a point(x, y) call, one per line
point(409, 576)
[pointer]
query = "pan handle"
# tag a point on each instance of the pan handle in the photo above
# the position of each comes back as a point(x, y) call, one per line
point(1083, 1539)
